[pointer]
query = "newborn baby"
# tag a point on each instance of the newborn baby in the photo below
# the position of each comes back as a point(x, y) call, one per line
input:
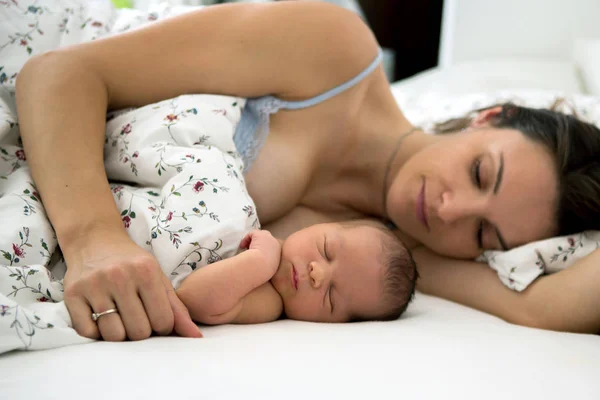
point(335, 272)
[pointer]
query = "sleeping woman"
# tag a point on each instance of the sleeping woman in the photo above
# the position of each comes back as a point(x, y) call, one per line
point(323, 140)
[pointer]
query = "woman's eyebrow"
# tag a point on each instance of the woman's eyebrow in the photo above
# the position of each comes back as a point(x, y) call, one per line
point(499, 176)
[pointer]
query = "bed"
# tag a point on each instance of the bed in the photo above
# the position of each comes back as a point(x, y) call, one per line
point(437, 350)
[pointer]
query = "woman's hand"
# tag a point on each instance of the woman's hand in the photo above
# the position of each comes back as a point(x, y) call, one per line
point(264, 243)
point(113, 272)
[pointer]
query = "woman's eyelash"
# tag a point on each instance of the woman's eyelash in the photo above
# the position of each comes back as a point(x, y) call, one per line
point(480, 235)
point(325, 249)
point(477, 173)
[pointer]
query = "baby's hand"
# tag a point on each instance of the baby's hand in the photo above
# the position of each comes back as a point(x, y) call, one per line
point(266, 245)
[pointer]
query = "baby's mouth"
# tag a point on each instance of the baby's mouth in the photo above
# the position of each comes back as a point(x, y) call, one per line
point(294, 278)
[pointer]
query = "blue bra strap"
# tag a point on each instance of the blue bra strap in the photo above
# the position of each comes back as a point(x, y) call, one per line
point(295, 105)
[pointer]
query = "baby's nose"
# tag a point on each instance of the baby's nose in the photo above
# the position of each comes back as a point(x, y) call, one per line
point(315, 272)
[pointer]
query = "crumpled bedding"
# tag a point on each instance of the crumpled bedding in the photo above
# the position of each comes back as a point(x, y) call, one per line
point(185, 201)
point(175, 175)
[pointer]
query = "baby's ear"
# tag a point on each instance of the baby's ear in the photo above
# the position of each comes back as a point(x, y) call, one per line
point(485, 116)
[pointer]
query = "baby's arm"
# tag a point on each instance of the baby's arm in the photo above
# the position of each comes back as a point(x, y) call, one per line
point(237, 289)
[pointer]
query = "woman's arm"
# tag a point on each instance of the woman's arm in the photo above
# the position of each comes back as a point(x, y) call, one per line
point(288, 49)
point(564, 301)
point(63, 96)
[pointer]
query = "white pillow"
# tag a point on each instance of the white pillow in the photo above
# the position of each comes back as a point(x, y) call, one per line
point(587, 60)
point(492, 75)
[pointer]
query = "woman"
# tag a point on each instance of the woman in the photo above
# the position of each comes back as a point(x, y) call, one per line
point(340, 156)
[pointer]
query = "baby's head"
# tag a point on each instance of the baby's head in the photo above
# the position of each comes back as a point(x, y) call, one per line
point(343, 272)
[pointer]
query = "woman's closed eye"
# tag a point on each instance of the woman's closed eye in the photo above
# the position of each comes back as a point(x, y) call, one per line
point(479, 235)
point(476, 173)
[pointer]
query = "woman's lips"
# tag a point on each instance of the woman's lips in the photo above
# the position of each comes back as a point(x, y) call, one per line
point(421, 210)
point(294, 278)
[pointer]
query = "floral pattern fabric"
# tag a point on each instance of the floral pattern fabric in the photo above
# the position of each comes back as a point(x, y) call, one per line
point(174, 171)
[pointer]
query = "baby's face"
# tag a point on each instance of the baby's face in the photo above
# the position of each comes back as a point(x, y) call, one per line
point(331, 273)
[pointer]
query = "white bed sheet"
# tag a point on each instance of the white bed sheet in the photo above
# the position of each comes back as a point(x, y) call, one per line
point(437, 350)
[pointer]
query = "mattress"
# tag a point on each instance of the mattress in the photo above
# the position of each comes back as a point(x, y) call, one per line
point(437, 350)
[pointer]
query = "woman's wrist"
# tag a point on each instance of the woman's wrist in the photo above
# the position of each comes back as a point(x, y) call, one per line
point(78, 240)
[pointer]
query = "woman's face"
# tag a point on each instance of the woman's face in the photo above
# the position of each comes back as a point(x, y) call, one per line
point(485, 188)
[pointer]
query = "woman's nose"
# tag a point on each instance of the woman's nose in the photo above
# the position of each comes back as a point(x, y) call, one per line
point(455, 207)
point(316, 274)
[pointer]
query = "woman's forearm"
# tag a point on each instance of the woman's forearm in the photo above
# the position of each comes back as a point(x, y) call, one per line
point(570, 299)
point(564, 301)
point(62, 110)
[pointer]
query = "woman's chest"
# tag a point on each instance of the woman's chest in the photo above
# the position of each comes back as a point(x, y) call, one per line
point(291, 161)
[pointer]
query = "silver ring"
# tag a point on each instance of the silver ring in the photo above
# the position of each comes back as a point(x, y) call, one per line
point(95, 316)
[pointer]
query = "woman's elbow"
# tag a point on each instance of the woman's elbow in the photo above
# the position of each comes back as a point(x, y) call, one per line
point(41, 66)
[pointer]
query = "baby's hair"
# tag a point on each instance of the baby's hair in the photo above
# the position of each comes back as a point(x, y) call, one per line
point(400, 273)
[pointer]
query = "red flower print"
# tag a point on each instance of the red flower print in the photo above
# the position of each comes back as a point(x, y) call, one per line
point(172, 117)
point(42, 299)
point(152, 17)
point(117, 189)
point(126, 129)
point(126, 221)
point(221, 111)
point(151, 208)
point(170, 216)
point(18, 251)
point(198, 187)
point(136, 154)
point(23, 42)
point(20, 155)
point(97, 24)
point(571, 242)
point(36, 194)
point(125, 160)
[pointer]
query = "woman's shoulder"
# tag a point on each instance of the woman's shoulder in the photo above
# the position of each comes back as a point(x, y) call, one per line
point(338, 43)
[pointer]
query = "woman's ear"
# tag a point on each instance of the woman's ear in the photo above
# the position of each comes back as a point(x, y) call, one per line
point(484, 116)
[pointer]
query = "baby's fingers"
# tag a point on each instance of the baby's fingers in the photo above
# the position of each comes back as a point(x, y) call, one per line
point(245, 243)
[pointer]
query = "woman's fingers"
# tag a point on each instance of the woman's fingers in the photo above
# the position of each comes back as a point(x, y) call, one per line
point(156, 303)
point(183, 324)
point(110, 325)
point(133, 315)
point(131, 281)
point(81, 316)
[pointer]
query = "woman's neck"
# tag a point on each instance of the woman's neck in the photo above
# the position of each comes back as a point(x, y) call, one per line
point(375, 152)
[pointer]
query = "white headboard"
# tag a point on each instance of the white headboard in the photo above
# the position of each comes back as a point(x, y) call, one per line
point(484, 29)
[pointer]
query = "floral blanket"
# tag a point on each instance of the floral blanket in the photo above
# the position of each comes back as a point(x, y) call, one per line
point(175, 173)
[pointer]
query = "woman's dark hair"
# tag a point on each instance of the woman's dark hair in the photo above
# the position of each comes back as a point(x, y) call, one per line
point(575, 147)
